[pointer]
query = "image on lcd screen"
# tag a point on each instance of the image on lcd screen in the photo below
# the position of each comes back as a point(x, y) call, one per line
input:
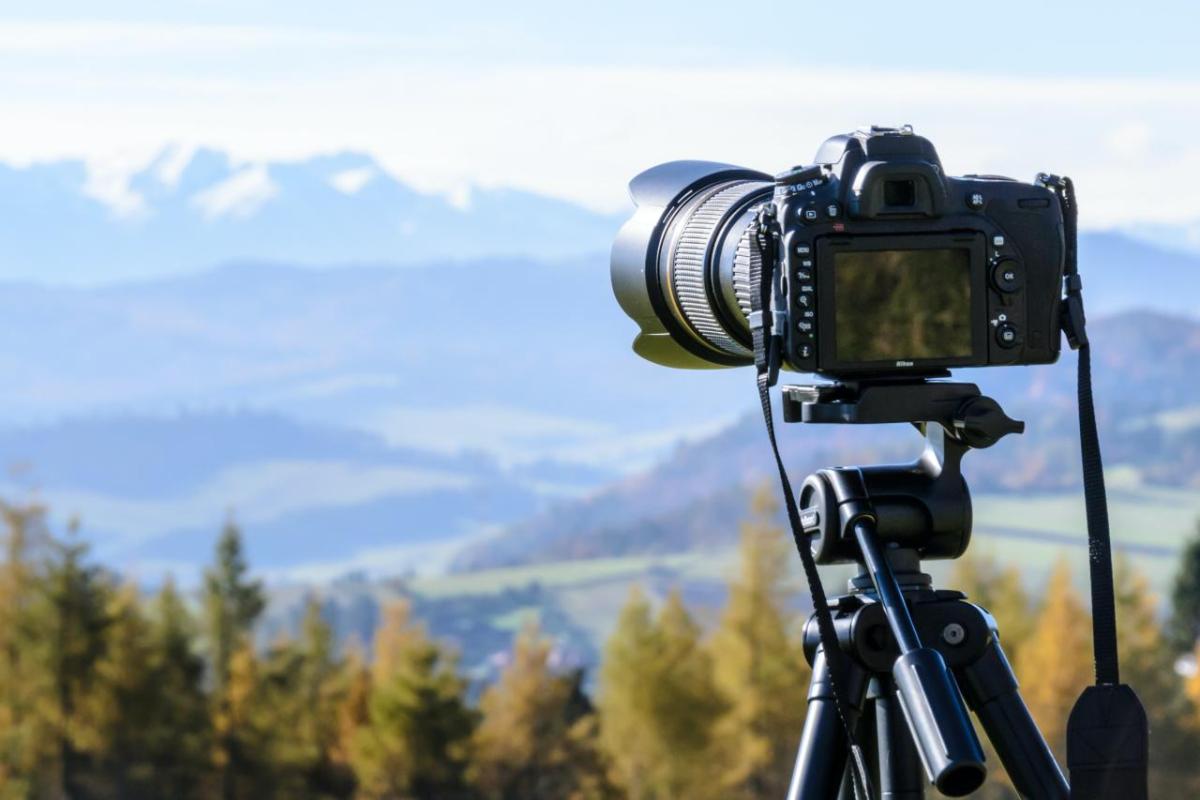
point(908, 305)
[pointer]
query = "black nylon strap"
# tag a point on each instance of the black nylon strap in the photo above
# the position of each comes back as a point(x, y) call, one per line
point(766, 357)
point(1074, 324)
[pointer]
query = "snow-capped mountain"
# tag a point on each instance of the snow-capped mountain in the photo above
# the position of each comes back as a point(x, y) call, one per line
point(64, 222)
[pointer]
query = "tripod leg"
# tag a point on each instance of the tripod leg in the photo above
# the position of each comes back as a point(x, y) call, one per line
point(901, 776)
point(990, 688)
point(824, 751)
point(865, 733)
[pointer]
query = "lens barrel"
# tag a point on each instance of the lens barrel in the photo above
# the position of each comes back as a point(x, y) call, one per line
point(680, 265)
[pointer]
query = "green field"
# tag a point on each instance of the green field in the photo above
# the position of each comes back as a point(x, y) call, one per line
point(1149, 526)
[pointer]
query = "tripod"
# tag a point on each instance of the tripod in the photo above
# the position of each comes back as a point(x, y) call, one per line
point(913, 654)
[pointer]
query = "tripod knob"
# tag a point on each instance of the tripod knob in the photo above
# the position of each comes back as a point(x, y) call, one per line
point(980, 422)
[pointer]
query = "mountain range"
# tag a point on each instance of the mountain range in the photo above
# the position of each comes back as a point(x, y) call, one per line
point(356, 403)
point(188, 210)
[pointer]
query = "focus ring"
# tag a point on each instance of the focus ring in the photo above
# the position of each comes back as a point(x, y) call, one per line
point(689, 265)
point(745, 260)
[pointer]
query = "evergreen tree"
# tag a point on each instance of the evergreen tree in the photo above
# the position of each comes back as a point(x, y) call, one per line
point(1148, 665)
point(659, 705)
point(178, 736)
point(527, 746)
point(71, 616)
point(295, 713)
point(415, 741)
point(1056, 663)
point(1191, 690)
point(26, 740)
point(232, 605)
point(124, 697)
point(1185, 596)
point(759, 666)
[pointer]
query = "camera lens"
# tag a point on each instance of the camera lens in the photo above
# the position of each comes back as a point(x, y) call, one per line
point(680, 265)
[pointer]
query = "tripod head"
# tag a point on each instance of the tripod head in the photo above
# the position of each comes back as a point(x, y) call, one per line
point(887, 518)
point(924, 506)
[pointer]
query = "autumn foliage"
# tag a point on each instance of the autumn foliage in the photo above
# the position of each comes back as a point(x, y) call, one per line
point(108, 693)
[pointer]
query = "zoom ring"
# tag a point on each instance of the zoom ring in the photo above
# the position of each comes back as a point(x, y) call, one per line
point(689, 267)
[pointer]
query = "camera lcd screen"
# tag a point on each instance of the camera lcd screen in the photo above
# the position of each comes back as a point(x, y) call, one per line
point(902, 305)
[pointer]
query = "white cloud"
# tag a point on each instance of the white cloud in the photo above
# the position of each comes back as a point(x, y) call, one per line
point(581, 132)
point(238, 196)
point(101, 37)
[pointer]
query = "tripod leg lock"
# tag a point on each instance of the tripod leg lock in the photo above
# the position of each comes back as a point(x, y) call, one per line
point(946, 741)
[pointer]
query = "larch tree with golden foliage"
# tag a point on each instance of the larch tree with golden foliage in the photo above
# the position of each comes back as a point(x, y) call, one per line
point(1000, 590)
point(414, 744)
point(533, 738)
point(1056, 663)
point(760, 664)
point(25, 737)
point(659, 705)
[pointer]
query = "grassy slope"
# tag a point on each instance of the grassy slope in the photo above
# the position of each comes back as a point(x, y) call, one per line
point(1149, 525)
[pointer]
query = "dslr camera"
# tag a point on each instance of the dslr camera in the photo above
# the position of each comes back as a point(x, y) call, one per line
point(886, 267)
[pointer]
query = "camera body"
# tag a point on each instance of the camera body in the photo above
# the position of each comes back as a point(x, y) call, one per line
point(887, 267)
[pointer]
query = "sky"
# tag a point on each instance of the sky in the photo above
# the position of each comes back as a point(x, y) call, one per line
point(573, 99)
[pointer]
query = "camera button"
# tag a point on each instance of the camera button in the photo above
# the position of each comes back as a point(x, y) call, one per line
point(832, 210)
point(810, 214)
point(1007, 335)
point(1006, 275)
point(804, 351)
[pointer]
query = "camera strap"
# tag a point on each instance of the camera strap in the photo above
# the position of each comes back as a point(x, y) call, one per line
point(1108, 735)
point(767, 333)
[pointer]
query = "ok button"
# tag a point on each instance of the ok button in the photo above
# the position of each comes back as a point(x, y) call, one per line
point(1006, 275)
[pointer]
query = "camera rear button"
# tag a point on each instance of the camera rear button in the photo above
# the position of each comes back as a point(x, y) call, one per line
point(1006, 275)
point(1007, 335)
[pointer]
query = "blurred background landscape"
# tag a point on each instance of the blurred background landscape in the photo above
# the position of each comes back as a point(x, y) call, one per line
point(337, 283)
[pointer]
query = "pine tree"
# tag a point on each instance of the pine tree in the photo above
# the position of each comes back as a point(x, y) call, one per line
point(1148, 665)
point(26, 739)
point(1056, 663)
point(659, 705)
point(414, 745)
point(759, 666)
point(1185, 596)
point(178, 735)
point(124, 696)
point(525, 747)
point(232, 605)
point(1191, 690)
point(72, 616)
point(297, 710)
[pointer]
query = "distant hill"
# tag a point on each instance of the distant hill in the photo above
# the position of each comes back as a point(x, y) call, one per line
point(315, 401)
point(189, 210)
point(152, 492)
point(1147, 378)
